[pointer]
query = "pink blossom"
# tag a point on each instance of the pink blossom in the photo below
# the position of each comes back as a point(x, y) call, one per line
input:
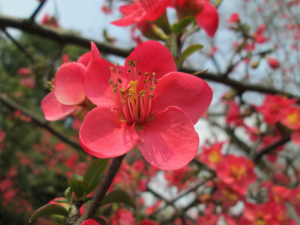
point(146, 102)
point(68, 93)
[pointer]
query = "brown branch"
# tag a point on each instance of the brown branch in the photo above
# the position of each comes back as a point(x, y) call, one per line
point(32, 17)
point(67, 38)
point(59, 35)
point(40, 122)
point(271, 148)
point(19, 46)
point(102, 189)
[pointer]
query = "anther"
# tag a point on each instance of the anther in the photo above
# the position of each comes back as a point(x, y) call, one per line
point(153, 74)
point(114, 89)
point(129, 70)
point(147, 73)
point(123, 101)
point(118, 65)
point(114, 85)
point(155, 81)
point(145, 81)
point(49, 82)
point(150, 96)
point(148, 79)
point(140, 72)
point(112, 68)
point(134, 63)
point(129, 94)
point(111, 81)
point(120, 81)
point(152, 87)
point(129, 62)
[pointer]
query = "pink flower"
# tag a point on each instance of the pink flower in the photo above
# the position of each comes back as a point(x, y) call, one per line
point(207, 16)
point(148, 222)
point(28, 82)
point(259, 34)
point(146, 102)
point(68, 93)
point(65, 58)
point(90, 222)
point(234, 18)
point(273, 63)
point(146, 10)
point(211, 155)
point(237, 172)
point(23, 72)
point(50, 21)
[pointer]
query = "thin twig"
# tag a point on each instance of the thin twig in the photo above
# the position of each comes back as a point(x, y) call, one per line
point(102, 189)
point(32, 17)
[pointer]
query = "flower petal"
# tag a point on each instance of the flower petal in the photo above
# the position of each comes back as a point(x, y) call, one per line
point(128, 9)
point(128, 20)
point(208, 19)
point(87, 58)
point(68, 84)
point(54, 110)
point(151, 57)
point(169, 141)
point(157, 10)
point(295, 137)
point(187, 92)
point(103, 135)
point(90, 222)
point(96, 82)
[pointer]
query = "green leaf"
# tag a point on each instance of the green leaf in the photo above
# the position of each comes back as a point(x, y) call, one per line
point(119, 196)
point(78, 187)
point(68, 193)
point(47, 210)
point(62, 200)
point(100, 221)
point(94, 173)
point(189, 51)
point(77, 177)
point(171, 44)
point(182, 24)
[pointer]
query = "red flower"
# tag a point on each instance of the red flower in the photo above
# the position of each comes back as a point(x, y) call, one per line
point(50, 21)
point(146, 103)
point(148, 222)
point(207, 16)
point(23, 72)
point(234, 18)
point(210, 219)
point(273, 63)
point(146, 10)
point(212, 155)
point(90, 222)
point(237, 172)
point(258, 35)
point(273, 107)
point(291, 118)
point(228, 196)
point(68, 91)
point(261, 214)
point(28, 82)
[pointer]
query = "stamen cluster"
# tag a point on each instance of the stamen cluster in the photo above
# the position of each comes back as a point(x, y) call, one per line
point(134, 100)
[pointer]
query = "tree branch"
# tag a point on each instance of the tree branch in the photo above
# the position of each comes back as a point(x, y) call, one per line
point(67, 38)
point(40, 122)
point(102, 189)
point(271, 148)
point(32, 17)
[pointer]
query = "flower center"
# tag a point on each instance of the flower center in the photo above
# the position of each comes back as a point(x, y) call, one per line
point(293, 117)
point(214, 157)
point(135, 100)
point(238, 172)
point(260, 221)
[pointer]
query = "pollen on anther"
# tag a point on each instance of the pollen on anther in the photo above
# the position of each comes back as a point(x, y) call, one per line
point(114, 89)
point(129, 62)
point(129, 70)
point(112, 68)
point(111, 81)
point(152, 87)
point(123, 101)
point(150, 96)
point(155, 81)
point(147, 73)
point(120, 81)
point(134, 63)
point(153, 74)
point(140, 72)
point(118, 65)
